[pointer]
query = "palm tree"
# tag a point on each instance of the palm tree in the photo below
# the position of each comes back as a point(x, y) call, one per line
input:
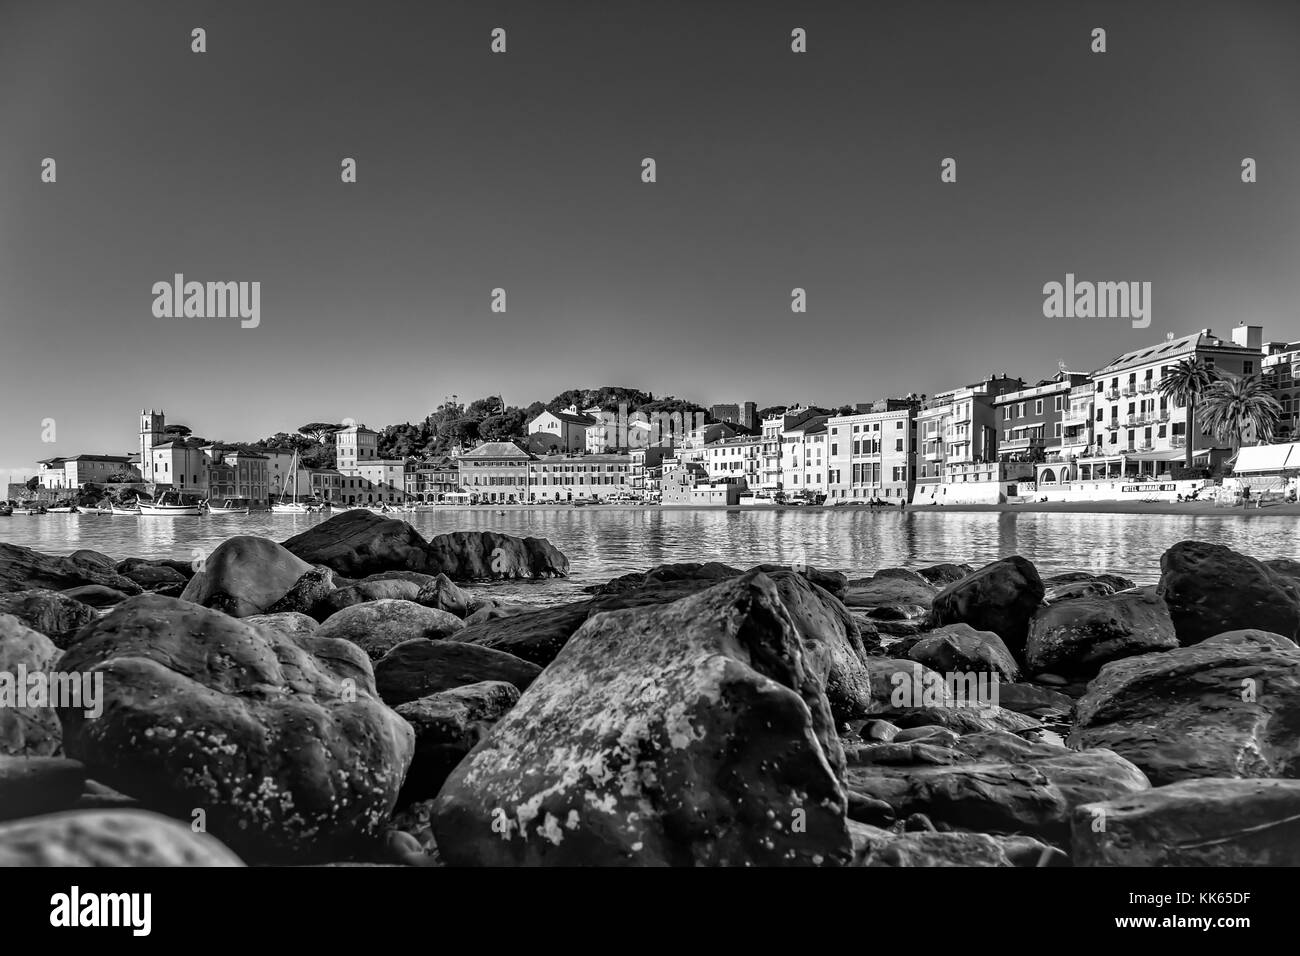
point(1185, 384)
point(1234, 406)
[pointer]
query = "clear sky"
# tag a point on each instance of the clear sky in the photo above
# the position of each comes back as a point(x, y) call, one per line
point(523, 171)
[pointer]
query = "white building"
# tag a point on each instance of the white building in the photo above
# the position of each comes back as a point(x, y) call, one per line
point(568, 425)
point(805, 463)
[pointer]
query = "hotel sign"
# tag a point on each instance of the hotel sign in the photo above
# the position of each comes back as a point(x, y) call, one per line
point(1142, 488)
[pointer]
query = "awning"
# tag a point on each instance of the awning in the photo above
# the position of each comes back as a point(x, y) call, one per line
point(1267, 458)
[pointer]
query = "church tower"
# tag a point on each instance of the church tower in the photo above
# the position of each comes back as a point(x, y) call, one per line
point(151, 433)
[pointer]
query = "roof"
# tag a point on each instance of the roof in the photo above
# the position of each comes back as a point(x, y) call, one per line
point(1174, 350)
point(498, 449)
point(569, 417)
point(119, 459)
point(356, 429)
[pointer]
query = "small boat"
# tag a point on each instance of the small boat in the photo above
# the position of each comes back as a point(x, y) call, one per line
point(171, 504)
point(29, 508)
point(63, 510)
point(288, 503)
point(115, 509)
point(229, 506)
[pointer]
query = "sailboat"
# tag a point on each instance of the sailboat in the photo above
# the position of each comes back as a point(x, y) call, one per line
point(292, 506)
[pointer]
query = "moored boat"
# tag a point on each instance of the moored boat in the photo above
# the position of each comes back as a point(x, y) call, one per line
point(229, 506)
point(171, 504)
point(116, 509)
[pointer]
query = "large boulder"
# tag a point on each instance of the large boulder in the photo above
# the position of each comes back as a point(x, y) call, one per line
point(289, 623)
point(1225, 707)
point(108, 838)
point(35, 785)
point(1000, 597)
point(152, 575)
point(29, 726)
point(281, 741)
point(309, 595)
point(709, 572)
point(945, 573)
point(684, 733)
point(891, 587)
point(486, 555)
point(53, 614)
point(995, 782)
point(378, 626)
point(448, 725)
point(22, 569)
point(959, 647)
point(1207, 822)
point(535, 636)
point(1076, 637)
point(357, 543)
point(245, 575)
point(418, 668)
point(833, 582)
point(1211, 589)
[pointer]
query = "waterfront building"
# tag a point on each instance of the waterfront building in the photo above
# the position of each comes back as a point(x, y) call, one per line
point(496, 471)
point(431, 480)
point(728, 459)
point(78, 470)
point(805, 458)
point(647, 469)
point(956, 429)
point(568, 425)
point(353, 446)
point(690, 484)
point(565, 477)
point(1061, 467)
point(1281, 373)
point(773, 427)
point(237, 472)
point(872, 455)
point(181, 465)
point(1031, 420)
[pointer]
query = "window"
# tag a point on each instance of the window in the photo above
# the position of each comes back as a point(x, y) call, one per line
point(1038, 407)
point(1247, 368)
point(1060, 403)
point(898, 445)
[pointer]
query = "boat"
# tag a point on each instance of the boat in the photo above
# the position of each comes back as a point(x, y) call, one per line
point(65, 510)
point(229, 506)
point(171, 504)
point(116, 509)
point(29, 508)
point(292, 506)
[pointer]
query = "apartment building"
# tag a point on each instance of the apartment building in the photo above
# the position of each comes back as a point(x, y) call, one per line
point(958, 430)
point(729, 459)
point(78, 470)
point(1281, 373)
point(773, 427)
point(872, 455)
point(805, 462)
point(430, 480)
point(565, 477)
point(496, 471)
point(1031, 420)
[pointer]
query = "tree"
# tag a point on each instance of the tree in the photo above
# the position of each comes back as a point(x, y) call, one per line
point(33, 483)
point(319, 432)
point(173, 432)
point(1186, 384)
point(1235, 406)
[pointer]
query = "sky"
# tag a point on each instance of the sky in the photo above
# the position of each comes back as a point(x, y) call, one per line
point(523, 171)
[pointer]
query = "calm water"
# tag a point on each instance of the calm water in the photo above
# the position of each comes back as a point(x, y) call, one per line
point(604, 542)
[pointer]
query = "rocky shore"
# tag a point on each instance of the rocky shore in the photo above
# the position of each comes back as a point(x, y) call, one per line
point(354, 695)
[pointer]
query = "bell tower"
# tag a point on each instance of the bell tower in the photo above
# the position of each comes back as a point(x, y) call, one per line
point(151, 433)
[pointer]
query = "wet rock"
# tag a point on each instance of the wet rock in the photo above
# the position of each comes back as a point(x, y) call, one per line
point(245, 575)
point(292, 624)
point(34, 785)
point(282, 742)
point(932, 849)
point(1211, 589)
point(96, 595)
point(959, 647)
point(710, 572)
point(29, 727)
point(378, 626)
point(415, 669)
point(891, 587)
point(448, 725)
point(309, 595)
point(358, 543)
point(1228, 706)
point(1035, 701)
point(1207, 822)
point(151, 576)
point(942, 575)
point(108, 838)
point(1078, 636)
point(53, 614)
point(600, 761)
point(486, 555)
point(535, 636)
point(833, 582)
point(1000, 597)
point(22, 569)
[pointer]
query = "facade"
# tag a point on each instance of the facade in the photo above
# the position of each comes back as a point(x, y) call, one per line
point(1281, 373)
point(690, 484)
point(872, 455)
point(180, 465)
point(496, 471)
point(565, 477)
point(773, 427)
point(431, 480)
point(355, 445)
point(151, 433)
point(805, 463)
point(237, 473)
point(72, 473)
point(647, 469)
point(744, 414)
point(955, 429)
point(569, 426)
point(1031, 421)
point(729, 459)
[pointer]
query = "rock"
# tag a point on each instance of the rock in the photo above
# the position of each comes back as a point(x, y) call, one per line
point(403, 848)
point(1078, 636)
point(1000, 597)
point(35, 785)
point(445, 595)
point(940, 736)
point(603, 760)
point(362, 592)
point(358, 543)
point(96, 559)
point(878, 730)
point(418, 668)
point(535, 636)
point(959, 647)
point(281, 741)
point(150, 575)
point(183, 568)
point(896, 587)
point(55, 615)
point(1208, 822)
point(448, 725)
point(22, 569)
point(108, 838)
point(1228, 706)
point(96, 796)
point(1035, 701)
point(932, 849)
point(310, 595)
point(96, 595)
point(833, 582)
point(29, 727)
point(1052, 680)
point(997, 782)
point(869, 810)
point(486, 555)
point(1211, 589)
point(245, 575)
point(292, 624)
point(944, 574)
point(1056, 593)
point(379, 626)
point(711, 572)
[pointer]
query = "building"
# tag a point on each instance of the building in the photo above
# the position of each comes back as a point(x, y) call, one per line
point(496, 471)
point(182, 465)
point(744, 414)
point(1031, 421)
point(431, 480)
point(872, 455)
point(805, 461)
point(956, 429)
point(773, 427)
point(353, 446)
point(79, 470)
point(1137, 431)
point(569, 426)
point(565, 477)
point(1281, 373)
point(738, 459)
point(152, 432)
point(237, 472)
point(690, 484)
point(647, 469)
point(1076, 438)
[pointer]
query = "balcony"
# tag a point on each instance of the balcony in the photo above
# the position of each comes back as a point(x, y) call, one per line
point(1020, 444)
point(1128, 391)
point(1145, 446)
point(1178, 441)
point(1085, 390)
point(1111, 394)
point(1146, 387)
point(1112, 425)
